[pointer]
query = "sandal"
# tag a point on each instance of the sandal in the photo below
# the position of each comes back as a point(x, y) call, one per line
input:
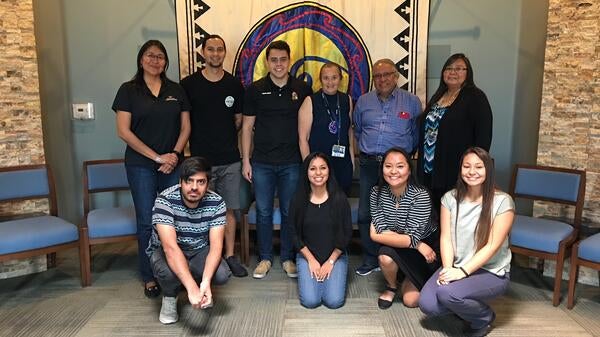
point(385, 304)
point(152, 291)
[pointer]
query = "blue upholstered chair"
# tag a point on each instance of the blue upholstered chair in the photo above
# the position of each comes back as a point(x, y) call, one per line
point(585, 253)
point(103, 225)
point(249, 223)
point(545, 238)
point(29, 235)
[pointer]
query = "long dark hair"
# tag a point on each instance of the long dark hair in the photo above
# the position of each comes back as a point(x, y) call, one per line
point(443, 87)
point(303, 190)
point(412, 180)
point(138, 78)
point(484, 224)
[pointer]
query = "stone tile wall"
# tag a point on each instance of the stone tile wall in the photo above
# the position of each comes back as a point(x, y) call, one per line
point(569, 133)
point(20, 114)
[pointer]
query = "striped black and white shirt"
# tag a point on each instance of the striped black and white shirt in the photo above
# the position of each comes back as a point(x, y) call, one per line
point(191, 224)
point(409, 215)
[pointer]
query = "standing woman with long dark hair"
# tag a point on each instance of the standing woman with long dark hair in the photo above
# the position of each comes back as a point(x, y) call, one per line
point(457, 116)
point(153, 120)
point(321, 228)
point(475, 221)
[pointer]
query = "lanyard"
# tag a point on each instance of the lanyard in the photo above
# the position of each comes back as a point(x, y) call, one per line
point(335, 119)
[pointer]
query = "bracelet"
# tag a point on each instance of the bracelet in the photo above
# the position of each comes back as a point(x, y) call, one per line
point(331, 261)
point(159, 160)
point(176, 152)
point(464, 271)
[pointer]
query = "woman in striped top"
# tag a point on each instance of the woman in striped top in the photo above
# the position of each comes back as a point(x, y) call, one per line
point(402, 225)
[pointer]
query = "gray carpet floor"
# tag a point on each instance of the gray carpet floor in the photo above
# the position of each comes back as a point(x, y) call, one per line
point(52, 303)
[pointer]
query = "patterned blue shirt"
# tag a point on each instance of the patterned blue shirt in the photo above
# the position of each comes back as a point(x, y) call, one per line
point(191, 224)
point(380, 125)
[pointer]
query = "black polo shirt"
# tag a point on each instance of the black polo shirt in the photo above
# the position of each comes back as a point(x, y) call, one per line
point(214, 106)
point(276, 124)
point(156, 121)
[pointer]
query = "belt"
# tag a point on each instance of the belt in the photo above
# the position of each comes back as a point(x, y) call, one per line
point(377, 157)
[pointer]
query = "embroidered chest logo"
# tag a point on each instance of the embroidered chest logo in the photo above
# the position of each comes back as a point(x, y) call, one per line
point(171, 98)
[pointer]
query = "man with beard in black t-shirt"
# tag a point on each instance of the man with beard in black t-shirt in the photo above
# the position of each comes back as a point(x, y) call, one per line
point(216, 117)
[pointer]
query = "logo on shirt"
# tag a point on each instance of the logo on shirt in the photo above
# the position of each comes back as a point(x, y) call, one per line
point(265, 93)
point(229, 101)
point(403, 115)
point(171, 98)
point(294, 96)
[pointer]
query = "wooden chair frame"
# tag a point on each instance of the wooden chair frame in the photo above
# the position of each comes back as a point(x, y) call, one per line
point(49, 251)
point(85, 242)
point(565, 244)
point(576, 261)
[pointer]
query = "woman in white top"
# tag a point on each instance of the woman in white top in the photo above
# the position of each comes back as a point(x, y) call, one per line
point(475, 220)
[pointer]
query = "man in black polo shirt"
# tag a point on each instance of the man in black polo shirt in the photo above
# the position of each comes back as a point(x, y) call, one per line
point(271, 108)
point(216, 116)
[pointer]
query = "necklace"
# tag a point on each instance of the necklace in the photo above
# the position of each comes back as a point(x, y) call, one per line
point(447, 100)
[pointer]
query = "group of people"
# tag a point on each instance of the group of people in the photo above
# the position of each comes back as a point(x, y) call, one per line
point(437, 231)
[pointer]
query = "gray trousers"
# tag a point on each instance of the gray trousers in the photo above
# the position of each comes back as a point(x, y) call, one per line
point(170, 283)
point(466, 297)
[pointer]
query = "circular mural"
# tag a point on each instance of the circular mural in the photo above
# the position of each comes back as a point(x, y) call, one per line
point(316, 35)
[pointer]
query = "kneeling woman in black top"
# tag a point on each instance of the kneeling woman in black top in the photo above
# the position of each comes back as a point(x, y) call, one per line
point(401, 224)
point(321, 228)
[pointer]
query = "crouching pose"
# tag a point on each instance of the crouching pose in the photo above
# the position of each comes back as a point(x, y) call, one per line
point(475, 221)
point(321, 229)
point(402, 225)
point(187, 239)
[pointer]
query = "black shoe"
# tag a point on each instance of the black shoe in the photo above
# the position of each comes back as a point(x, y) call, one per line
point(152, 291)
point(483, 331)
point(385, 304)
point(367, 269)
point(236, 267)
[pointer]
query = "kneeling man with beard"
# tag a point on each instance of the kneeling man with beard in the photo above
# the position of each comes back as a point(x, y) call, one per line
point(185, 248)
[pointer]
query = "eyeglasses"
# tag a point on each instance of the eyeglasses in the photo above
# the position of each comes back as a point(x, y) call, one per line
point(383, 75)
point(155, 57)
point(455, 69)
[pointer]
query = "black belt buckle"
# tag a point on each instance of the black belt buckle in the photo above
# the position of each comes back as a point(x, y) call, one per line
point(378, 157)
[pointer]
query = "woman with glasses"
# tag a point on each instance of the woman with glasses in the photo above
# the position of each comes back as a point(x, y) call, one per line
point(153, 119)
point(321, 228)
point(457, 116)
point(324, 125)
point(402, 225)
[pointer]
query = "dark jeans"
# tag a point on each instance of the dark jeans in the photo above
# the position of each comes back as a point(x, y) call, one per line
point(369, 175)
point(170, 283)
point(266, 178)
point(466, 297)
point(145, 183)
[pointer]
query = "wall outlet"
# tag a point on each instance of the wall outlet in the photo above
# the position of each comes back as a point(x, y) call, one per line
point(84, 111)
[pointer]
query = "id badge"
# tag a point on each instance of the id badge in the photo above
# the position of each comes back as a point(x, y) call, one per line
point(338, 151)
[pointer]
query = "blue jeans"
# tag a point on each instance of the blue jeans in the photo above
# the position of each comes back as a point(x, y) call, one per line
point(266, 178)
point(466, 297)
point(331, 292)
point(369, 176)
point(145, 183)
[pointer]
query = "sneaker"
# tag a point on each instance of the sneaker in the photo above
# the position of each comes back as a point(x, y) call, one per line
point(290, 268)
point(236, 267)
point(367, 269)
point(262, 269)
point(168, 311)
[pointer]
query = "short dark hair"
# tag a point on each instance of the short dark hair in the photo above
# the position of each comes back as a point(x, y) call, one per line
point(279, 45)
point(212, 36)
point(194, 165)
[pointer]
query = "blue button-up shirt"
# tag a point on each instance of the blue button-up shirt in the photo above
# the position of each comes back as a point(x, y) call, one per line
point(380, 125)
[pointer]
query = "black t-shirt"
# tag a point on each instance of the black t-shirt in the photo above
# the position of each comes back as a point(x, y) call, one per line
point(324, 227)
point(156, 121)
point(214, 106)
point(276, 124)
